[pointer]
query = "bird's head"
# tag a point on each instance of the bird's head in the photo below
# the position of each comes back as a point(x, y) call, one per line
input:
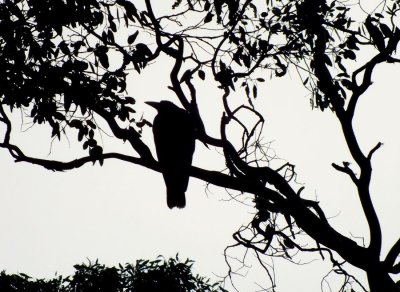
point(163, 106)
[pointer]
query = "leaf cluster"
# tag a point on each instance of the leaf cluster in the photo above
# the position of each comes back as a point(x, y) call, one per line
point(144, 275)
point(55, 64)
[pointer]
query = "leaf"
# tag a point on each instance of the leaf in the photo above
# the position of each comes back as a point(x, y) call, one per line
point(132, 37)
point(113, 26)
point(130, 9)
point(85, 145)
point(288, 243)
point(91, 134)
point(276, 11)
point(347, 83)
point(255, 91)
point(104, 37)
point(91, 124)
point(202, 74)
point(130, 100)
point(110, 36)
point(81, 133)
point(386, 30)
point(348, 54)
point(75, 123)
point(143, 50)
point(375, 33)
point(342, 75)
point(56, 131)
point(34, 111)
point(327, 60)
point(59, 116)
point(246, 60)
point(207, 6)
point(103, 59)
point(64, 48)
point(24, 275)
point(187, 75)
point(208, 17)
point(393, 41)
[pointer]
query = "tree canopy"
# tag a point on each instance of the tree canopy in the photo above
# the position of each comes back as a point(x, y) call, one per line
point(144, 275)
point(66, 64)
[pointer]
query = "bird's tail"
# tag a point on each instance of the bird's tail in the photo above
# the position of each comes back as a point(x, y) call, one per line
point(176, 199)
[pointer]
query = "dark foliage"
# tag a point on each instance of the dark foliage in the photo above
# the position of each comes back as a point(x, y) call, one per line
point(159, 275)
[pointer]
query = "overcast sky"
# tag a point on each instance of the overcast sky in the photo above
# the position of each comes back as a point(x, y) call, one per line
point(117, 213)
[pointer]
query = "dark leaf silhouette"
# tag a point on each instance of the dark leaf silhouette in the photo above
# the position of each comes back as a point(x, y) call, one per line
point(144, 275)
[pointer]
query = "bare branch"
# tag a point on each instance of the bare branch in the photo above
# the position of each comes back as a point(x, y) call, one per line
point(347, 170)
point(126, 134)
point(374, 149)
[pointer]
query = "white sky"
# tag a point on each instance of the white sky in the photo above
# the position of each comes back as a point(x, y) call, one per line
point(117, 213)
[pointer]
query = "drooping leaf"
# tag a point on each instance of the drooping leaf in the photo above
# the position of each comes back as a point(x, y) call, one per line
point(132, 37)
point(202, 74)
point(208, 17)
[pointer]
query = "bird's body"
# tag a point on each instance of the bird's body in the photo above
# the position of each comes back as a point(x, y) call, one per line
point(174, 138)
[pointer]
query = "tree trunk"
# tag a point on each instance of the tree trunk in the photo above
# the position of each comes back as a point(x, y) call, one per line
point(380, 281)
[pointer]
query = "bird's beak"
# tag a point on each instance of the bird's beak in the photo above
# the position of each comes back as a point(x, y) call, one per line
point(153, 104)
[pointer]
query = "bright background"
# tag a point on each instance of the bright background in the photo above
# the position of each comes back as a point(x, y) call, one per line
point(117, 213)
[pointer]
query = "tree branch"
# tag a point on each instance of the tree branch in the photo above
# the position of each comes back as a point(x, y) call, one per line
point(391, 257)
point(125, 134)
point(366, 82)
point(347, 170)
point(374, 150)
point(316, 227)
point(327, 86)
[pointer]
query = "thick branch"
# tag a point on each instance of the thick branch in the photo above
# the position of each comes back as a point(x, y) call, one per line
point(327, 86)
point(316, 227)
point(391, 257)
point(56, 165)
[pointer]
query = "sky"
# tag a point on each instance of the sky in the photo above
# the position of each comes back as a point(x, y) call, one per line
point(117, 213)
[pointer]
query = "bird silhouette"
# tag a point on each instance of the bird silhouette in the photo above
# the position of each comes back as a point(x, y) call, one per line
point(174, 139)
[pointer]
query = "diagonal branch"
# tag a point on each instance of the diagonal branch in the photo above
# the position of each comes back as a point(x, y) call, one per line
point(327, 86)
point(125, 134)
point(391, 257)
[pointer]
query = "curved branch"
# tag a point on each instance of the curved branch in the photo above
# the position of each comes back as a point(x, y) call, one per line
point(327, 86)
point(7, 121)
point(368, 68)
point(315, 226)
point(56, 165)
point(126, 134)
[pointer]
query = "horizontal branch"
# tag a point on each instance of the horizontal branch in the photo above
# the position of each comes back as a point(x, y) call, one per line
point(313, 225)
point(56, 165)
